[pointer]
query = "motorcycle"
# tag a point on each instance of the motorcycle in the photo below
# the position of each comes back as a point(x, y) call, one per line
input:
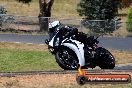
point(70, 53)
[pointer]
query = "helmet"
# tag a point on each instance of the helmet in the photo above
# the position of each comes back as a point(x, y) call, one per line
point(54, 24)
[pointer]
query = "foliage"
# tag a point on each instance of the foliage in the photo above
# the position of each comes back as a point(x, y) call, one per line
point(103, 10)
point(97, 9)
point(129, 21)
point(99, 26)
point(2, 11)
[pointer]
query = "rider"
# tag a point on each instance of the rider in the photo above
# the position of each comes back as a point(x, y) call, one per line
point(66, 31)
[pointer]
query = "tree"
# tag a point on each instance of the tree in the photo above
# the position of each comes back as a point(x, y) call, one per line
point(98, 10)
point(2, 11)
point(45, 12)
point(129, 21)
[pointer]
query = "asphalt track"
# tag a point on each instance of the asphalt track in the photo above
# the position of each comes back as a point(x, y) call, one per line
point(118, 68)
point(107, 42)
point(14, 74)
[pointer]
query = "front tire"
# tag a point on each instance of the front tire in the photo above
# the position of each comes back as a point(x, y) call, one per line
point(67, 59)
point(106, 59)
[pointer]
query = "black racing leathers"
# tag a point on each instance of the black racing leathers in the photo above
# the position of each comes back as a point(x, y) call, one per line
point(67, 31)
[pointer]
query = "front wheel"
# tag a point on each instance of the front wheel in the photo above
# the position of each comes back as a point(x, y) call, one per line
point(106, 59)
point(67, 59)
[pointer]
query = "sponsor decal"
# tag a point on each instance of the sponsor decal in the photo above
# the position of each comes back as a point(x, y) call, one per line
point(103, 78)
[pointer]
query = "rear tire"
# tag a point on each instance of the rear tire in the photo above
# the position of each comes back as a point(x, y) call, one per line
point(106, 59)
point(67, 59)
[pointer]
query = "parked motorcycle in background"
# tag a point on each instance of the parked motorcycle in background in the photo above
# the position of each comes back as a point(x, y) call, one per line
point(77, 50)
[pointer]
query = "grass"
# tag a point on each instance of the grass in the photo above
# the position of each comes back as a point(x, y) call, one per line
point(97, 86)
point(61, 8)
point(53, 81)
point(122, 57)
point(26, 57)
point(32, 57)
point(24, 60)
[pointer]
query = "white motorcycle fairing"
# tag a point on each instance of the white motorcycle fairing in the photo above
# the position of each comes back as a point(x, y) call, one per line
point(74, 45)
point(77, 47)
point(51, 43)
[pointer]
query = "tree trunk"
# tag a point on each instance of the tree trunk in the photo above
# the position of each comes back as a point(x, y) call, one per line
point(45, 12)
point(43, 22)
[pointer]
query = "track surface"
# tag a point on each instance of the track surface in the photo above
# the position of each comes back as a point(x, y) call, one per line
point(107, 42)
point(118, 68)
point(13, 74)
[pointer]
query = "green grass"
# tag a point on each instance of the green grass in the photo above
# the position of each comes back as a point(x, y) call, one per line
point(32, 57)
point(23, 60)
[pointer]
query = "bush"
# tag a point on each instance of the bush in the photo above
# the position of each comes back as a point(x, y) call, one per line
point(94, 10)
point(2, 11)
point(99, 26)
point(129, 21)
point(98, 9)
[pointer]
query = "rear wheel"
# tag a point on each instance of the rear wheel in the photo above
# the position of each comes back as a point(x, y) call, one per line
point(106, 59)
point(67, 59)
